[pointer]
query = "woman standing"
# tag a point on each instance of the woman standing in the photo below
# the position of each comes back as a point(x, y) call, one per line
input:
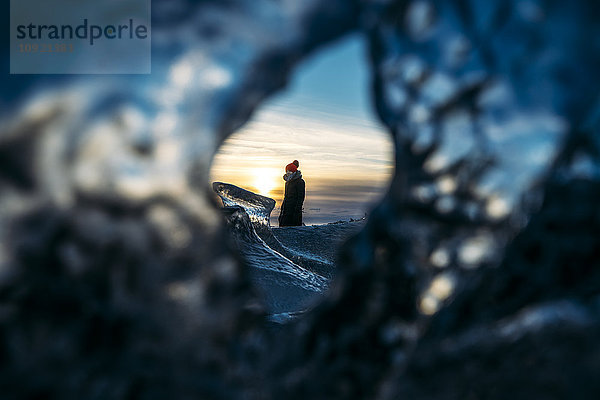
point(291, 208)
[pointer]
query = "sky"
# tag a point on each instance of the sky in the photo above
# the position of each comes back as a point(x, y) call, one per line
point(324, 119)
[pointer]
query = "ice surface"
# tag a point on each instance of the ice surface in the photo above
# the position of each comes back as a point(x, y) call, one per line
point(286, 286)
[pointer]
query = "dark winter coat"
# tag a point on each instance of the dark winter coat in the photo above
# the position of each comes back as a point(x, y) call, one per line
point(291, 208)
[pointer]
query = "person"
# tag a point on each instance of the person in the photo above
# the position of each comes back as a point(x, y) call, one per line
point(293, 198)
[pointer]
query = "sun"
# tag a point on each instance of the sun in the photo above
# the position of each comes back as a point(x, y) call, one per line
point(265, 180)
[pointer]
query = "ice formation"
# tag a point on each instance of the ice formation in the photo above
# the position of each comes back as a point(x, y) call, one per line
point(256, 206)
point(286, 286)
point(477, 276)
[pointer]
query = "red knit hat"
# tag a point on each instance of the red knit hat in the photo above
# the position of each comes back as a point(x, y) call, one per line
point(291, 167)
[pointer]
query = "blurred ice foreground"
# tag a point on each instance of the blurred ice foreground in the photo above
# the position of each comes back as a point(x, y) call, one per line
point(476, 276)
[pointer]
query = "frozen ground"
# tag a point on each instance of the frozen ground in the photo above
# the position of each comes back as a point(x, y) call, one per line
point(291, 267)
point(321, 241)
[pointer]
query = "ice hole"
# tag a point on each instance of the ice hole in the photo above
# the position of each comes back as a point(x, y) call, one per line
point(323, 120)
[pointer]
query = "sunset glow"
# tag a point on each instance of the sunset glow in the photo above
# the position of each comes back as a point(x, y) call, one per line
point(346, 157)
point(347, 164)
point(265, 180)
